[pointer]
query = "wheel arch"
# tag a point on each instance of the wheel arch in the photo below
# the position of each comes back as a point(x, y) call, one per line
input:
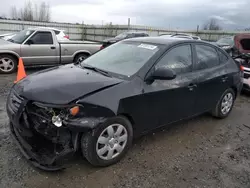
point(130, 118)
point(235, 91)
point(13, 54)
point(81, 52)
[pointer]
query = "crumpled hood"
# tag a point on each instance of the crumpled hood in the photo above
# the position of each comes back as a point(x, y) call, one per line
point(61, 85)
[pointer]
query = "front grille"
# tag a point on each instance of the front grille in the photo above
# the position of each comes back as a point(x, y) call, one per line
point(246, 76)
point(14, 101)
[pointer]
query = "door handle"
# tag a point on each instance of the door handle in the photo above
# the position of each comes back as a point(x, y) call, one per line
point(52, 47)
point(191, 87)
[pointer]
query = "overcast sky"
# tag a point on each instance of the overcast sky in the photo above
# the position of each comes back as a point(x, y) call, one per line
point(182, 14)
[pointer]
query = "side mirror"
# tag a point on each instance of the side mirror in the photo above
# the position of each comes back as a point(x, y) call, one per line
point(29, 42)
point(163, 73)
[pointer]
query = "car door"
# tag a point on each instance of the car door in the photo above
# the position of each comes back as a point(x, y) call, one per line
point(40, 49)
point(172, 100)
point(212, 77)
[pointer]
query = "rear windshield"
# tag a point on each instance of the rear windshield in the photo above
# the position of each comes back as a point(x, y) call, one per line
point(122, 36)
point(122, 58)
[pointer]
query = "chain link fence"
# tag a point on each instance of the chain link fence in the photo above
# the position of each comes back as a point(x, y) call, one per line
point(101, 32)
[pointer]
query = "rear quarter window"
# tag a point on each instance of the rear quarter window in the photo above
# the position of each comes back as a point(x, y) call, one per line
point(207, 57)
point(223, 57)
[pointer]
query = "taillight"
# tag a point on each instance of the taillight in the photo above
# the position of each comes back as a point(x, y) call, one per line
point(101, 47)
point(66, 36)
point(241, 68)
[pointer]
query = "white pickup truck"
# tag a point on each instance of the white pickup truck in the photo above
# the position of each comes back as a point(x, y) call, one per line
point(40, 47)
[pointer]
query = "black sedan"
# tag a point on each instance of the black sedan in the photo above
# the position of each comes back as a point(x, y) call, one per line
point(121, 92)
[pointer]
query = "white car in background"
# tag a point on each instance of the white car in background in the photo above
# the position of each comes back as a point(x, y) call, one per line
point(61, 36)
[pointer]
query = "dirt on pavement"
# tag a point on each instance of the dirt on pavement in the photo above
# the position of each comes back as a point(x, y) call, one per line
point(201, 152)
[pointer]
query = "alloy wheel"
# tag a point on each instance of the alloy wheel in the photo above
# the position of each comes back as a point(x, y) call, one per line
point(80, 59)
point(227, 103)
point(6, 64)
point(111, 141)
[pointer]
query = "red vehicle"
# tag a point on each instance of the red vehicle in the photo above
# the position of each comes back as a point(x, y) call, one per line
point(242, 45)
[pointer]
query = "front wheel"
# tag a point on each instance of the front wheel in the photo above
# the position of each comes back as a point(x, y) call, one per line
point(108, 143)
point(225, 104)
point(8, 64)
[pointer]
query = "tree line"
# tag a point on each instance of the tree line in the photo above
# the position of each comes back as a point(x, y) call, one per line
point(32, 12)
point(212, 24)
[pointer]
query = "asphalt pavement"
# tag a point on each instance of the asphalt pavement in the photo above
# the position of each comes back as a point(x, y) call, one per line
point(201, 152)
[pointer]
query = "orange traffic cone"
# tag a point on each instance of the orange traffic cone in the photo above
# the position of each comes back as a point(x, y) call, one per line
point(21, 71)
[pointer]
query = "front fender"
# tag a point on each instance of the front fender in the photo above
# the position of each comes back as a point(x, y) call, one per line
point(90, 117)
point(84, 124)
point(9, 52)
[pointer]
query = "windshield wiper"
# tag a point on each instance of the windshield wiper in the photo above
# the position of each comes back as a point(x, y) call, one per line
point(96, 70)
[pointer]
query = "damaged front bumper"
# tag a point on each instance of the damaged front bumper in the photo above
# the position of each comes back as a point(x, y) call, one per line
point(43, 144)
point(35, 159)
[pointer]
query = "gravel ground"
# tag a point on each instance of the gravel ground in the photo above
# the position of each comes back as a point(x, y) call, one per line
point(201, 152)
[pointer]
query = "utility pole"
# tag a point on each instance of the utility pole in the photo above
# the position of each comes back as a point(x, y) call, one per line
point(128, 24)
point(197, 30)
point(83, 31)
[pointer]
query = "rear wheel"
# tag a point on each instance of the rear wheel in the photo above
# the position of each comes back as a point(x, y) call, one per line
point(80, 57)
point(8, 64)
point(108, 143)
point(225, 104)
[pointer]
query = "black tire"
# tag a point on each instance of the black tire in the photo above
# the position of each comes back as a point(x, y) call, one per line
point(89, 141)
point(14, 61)
point(217, 111)
point(80, 57)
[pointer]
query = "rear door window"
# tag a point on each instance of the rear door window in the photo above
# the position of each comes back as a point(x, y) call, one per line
point(207, 57)
point(178, 59)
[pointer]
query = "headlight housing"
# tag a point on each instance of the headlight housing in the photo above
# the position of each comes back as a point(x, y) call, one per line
point(226, 47)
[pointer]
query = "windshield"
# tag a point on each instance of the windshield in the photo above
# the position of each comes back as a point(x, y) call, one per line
point(122, 58)
point(228, 41)
point(122, 35)
point(20, 37)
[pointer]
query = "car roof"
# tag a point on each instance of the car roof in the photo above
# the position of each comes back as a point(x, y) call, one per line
point(45, 28)
point(139, 32)
point(167, 41)
point(159, 40)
